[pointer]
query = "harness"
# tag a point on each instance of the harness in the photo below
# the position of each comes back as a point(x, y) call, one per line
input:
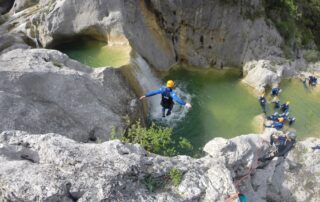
point(166, 100)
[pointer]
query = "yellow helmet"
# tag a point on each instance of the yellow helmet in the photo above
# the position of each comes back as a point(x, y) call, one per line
point(281, 119)
point(170, 84)
point(287, 102)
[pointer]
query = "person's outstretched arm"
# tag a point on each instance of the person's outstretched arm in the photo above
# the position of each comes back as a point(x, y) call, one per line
point(179, 100)
point(152, 93)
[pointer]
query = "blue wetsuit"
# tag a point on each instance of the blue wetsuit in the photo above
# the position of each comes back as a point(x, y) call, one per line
point(168, 95)
point(278, 125)
point(275, 91)
point(285, 108)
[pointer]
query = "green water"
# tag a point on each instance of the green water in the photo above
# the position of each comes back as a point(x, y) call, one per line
point(225, 107)
point(96, 54)
point(221, 105)
point(304, 105)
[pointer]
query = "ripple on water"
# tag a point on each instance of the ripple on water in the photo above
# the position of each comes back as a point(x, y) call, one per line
point(224, 107)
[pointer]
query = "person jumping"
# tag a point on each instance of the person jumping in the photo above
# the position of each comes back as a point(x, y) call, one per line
point(168, 96)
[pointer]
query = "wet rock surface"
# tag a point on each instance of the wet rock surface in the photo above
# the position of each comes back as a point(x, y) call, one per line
point(44, 91)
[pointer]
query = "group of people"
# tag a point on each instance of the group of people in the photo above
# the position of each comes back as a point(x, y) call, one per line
point(311, 80)
point(281, 143)
point(278, 119)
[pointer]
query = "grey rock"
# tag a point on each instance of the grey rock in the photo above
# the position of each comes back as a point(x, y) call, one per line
point(262, 73)
point(297, 179)
point(95, 172)
point(5, 6)
point(10, 41)
point(162, 32)
point(20, 5)
point(46, 167)
point(202, 33)
point(44, 91)
point(64, 19)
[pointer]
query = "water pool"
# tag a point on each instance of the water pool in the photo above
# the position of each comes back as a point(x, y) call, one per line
point(95, 53)
point(222, 105)
point(225, 107)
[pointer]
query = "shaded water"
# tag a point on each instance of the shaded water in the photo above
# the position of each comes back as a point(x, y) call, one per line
point(95, 53)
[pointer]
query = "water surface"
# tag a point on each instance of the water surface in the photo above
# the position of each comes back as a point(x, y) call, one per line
point(221, 105)
point(95, 53)
point(305, 106)
point(224, 107)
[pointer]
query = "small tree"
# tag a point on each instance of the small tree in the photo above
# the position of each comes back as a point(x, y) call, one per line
point(155, 139)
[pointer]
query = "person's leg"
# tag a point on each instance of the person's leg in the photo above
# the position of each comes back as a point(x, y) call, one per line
point(263, 108)
point(169, 111)
point(163, 111)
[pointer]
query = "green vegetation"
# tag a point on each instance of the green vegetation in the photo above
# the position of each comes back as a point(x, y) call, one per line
point(312, 56)
point(175, 176)
point(298, 21)
point(113, 133)
point(185, 144)
point(99, 141)
point(57, 64)
point(153, 183)
point(155, 139)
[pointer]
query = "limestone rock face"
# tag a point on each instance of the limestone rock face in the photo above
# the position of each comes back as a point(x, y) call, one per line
point(51, 167)
point(44, 91)
point(57, 21)
point(20, 5)
point(201, 33)
point(298, 177)
point(10, 42)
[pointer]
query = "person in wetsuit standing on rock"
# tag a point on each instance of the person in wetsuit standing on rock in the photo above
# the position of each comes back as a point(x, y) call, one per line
point(167, 98)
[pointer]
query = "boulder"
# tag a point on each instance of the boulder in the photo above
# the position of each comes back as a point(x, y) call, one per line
point(262, 73)
point(50, 167)
point(20, 5)
point(44, 91)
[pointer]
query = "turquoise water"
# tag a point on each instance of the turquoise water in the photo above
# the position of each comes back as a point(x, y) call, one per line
point(95, 53)
point(304, 105)
point(221, 105)
point(225, 107)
